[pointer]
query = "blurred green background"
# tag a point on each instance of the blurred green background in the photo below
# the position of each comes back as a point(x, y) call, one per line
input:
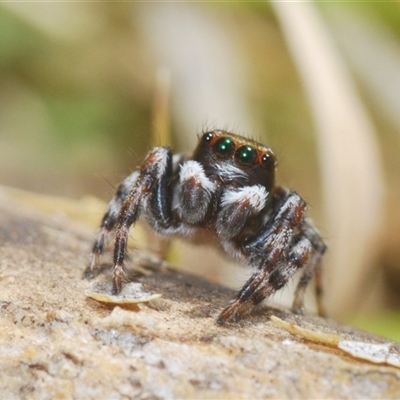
point(79, 81)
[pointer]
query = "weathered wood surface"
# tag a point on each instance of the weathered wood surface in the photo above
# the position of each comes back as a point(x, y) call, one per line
point(56, 343)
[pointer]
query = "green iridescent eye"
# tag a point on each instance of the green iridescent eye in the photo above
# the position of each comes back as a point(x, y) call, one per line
point(246, 156)
point(224, 147)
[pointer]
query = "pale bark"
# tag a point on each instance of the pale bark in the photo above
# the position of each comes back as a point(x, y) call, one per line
point(56, 343)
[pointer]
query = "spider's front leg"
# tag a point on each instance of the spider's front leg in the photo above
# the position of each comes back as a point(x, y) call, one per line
point(275, 256)
point(150, 185)
point(108, 223)
point(154, 186)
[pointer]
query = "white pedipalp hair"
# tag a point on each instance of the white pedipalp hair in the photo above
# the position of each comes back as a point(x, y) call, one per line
point(229, 171)
point(194, 170)
point(255, 196)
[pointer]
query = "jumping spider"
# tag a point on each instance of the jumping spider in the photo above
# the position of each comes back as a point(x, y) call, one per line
point(225, 189)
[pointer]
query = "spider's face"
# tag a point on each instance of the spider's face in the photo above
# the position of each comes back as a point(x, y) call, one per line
point(235, 160)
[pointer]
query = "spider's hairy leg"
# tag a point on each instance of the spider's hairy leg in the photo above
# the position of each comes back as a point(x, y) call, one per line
point(268, 250)
point(108, 223)
point(196, 192)
point(237, 206)
point(298, 257)
point(244, 295)
point(278, 243)
point(313, 268)
point(152, 182)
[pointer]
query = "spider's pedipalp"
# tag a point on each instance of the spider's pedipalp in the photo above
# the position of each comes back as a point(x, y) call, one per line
point(254, 196)
point(196, 192)
point(236, 208)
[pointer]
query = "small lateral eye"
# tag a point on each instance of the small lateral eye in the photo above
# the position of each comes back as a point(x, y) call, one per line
point(224, 147)
point(267, 160)
point(207, 137)
point(246, 156)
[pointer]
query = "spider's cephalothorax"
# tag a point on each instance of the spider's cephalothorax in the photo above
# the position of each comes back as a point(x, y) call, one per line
point(226, 189)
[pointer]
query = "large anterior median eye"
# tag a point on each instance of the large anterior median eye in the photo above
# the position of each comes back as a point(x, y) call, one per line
point(224, 147)
point(246, 156)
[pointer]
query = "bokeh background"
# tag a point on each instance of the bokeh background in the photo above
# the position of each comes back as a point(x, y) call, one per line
point(87, 88)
